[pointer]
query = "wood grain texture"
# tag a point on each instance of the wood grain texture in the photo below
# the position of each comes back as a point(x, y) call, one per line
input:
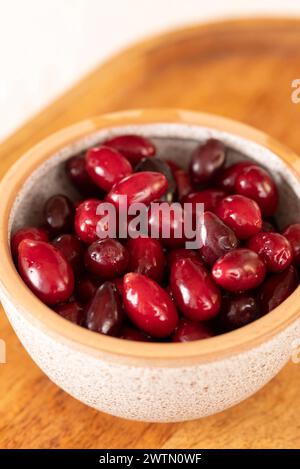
point(240, 69)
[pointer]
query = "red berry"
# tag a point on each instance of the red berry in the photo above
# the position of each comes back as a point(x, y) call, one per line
point(241, 214)
point(238, 311)
point(86, 220)
point(239, 270)
point(35, 234)
point(105, 312)
point(148, 306)
point(46, 271)
point(131, 333)
point(292, 233)
point(167, 226)
point(59, 214)
point(273, 248)
point(141, 187)
point(188, 330)
point(146, 257)
point(209, 197)
point(194, 291)
point(77, 173)
point(106, 258)
point(71, 311)
point(207, 160)
point(159, 166)
point(216, 237)
point(277, 288)
point(227, 177)
point(106, 166)
point(133, 147)
point(72, 249)
point(182, 253)
point(183, 183)
point(254, 182)
point(85, 289)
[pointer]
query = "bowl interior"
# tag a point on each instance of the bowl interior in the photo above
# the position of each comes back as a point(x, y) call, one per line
point(173, 141)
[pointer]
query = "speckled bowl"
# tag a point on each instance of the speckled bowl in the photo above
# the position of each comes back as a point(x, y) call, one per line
point(157, 382)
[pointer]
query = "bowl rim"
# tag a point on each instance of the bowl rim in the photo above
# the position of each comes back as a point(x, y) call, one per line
point(28, 305)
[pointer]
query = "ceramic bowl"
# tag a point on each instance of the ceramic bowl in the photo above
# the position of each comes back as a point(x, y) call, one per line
point(159, 382)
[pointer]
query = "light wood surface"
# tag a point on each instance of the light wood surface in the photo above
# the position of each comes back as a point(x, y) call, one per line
point(240, 69)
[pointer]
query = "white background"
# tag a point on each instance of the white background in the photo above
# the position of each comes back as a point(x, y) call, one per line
point(47, 45)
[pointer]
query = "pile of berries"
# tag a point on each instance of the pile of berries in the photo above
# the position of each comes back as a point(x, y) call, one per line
point(148, 289)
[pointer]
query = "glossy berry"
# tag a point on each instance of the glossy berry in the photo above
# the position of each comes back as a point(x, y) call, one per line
point(207, 160)
point(167, 226)
point(105, 313)
point(106, 166)
point(149, 306)
point(241, 214)
point(86, 220)
point(35, 234)
point(71, 311)
point(159, 166)
point(216, 238)
point(143, 187)
point(194, 291)
point(146, 257)
point(59, 214)
point(78, 175)
point(254, 182)
point(188, 330)
point(106, 258)
point(72, 249)
point(277, 288)
point(46, 271)
point(273, 248)
point(227, 177)
point(133, 147)
point(209, 197)
point(239, 270)
point(292, 233)
point(183, 183)
point(238, 311)
point(85, 289)
point(182, 253)
point(131, 333)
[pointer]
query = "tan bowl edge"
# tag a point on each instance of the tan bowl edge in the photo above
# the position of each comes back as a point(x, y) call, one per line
point(163, 354)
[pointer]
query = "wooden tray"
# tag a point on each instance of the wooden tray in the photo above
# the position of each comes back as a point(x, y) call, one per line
point(241, 69)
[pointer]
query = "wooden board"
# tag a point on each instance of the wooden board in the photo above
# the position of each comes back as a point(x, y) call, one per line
point(240, 69)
